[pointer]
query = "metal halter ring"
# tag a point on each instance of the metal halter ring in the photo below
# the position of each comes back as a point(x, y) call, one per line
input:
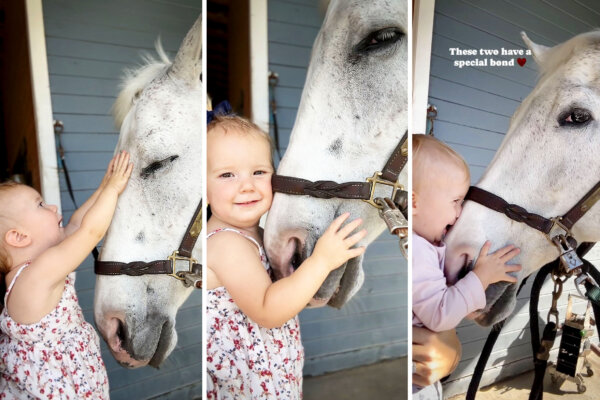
point(374, 180)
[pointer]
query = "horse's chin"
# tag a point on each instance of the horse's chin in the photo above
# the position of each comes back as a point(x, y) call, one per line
point(500, 303)
point(341, 284)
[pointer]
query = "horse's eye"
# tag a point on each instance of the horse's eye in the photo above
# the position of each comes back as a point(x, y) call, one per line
point(378, 39)
point(157, 165)
point(575, 117)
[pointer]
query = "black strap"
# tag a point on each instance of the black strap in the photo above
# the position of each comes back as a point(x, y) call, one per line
point(485, 354)
point(549, 331)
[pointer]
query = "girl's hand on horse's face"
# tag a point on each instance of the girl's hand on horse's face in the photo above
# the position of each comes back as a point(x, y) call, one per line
point(121, 171)
point(109, 171)
point(492, 268)
point(335, 246)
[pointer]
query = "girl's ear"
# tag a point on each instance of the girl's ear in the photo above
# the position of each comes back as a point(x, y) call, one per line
point(17, 239)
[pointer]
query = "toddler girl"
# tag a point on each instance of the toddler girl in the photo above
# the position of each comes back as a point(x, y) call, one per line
point(440, 184)
point(47, 350)
point(254, 349)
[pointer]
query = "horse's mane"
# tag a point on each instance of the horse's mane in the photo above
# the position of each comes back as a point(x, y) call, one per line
point(560, 54)
point(136, 79)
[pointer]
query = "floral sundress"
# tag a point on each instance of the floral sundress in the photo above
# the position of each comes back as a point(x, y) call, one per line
point(55, 358)
point(244, 360)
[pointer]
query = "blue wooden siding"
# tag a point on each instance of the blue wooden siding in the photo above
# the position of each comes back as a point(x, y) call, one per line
point(474, 109)
point(89, 44)
point(372, 326)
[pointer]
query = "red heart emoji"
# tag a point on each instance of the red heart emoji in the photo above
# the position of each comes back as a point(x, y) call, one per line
point(521, 61)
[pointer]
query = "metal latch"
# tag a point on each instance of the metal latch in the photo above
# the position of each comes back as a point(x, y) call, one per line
point(568, 257)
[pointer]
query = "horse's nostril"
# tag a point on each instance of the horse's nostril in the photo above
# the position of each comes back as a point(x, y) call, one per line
point(120, 331)
point(296, 260)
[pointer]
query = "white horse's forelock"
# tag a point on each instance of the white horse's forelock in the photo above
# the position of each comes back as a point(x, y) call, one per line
point(135, 79)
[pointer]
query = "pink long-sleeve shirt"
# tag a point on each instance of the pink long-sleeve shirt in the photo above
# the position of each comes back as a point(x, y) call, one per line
point(435, 305)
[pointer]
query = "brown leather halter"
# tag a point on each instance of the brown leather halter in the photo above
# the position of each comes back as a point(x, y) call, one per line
point(394, 212)
point(180, 264)
point(563, 239)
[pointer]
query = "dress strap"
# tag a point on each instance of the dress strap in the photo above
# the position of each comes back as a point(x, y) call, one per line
point(14, 280)
point(261, 251)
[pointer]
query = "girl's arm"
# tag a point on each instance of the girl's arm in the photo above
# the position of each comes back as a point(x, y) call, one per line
point(270, 304)
point(53, 265)
point(77, 217)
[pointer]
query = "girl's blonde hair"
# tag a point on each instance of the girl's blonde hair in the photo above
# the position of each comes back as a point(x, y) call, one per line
point(429, 155)
point(5, 260)
point(239, 124)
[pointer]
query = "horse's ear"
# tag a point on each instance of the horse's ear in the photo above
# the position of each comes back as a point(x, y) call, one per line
point(539, 51)
point(187, 64)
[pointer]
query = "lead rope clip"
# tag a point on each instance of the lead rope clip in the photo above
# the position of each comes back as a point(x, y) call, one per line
point(395, 221)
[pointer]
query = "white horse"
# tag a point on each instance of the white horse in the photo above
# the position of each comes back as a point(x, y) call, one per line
point(161, 118)
point(352, 114)
point(547, 162)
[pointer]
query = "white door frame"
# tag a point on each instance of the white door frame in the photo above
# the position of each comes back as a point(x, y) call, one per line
point(422, 37)
point(259, 63)
point(42, 102)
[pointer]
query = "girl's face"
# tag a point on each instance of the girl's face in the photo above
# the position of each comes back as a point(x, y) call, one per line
point(238, 177)
point(41, 222)
point(439, 203)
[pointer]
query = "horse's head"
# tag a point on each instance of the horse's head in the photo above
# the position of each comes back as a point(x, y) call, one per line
point(159, 111)
point(546, 164)
point(352, 114)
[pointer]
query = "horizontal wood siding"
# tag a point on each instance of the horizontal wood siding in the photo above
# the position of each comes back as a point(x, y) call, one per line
point(372, 326)
point(90, 44)
point(474, 109)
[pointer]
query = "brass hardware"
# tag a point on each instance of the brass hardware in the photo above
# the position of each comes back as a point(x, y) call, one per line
point(374, 180)
point(590, 201)
point(197, 225)
point(176, 259)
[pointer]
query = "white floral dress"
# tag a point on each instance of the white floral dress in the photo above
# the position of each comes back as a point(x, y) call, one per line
point(244, 360)
point(55, 358)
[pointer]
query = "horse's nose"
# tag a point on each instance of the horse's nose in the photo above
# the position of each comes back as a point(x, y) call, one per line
point(286, 253)
point(116, 337)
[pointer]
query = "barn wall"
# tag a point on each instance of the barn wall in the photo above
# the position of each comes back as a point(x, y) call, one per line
point(90, 44)
point(474, 109)
point(372, 326)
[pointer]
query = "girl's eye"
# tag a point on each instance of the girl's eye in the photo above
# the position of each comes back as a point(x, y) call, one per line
point(226, 175)
point(259, 172)
point(41, 204)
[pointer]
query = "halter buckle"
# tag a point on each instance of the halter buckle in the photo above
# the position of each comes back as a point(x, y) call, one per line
point(181, 265)
point(374, 180)
point(557, 223)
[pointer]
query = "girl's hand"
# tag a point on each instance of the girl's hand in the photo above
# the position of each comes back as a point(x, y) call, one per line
point(121, 171)
point(334, 247)
point(492, 268)
point(109, 171)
